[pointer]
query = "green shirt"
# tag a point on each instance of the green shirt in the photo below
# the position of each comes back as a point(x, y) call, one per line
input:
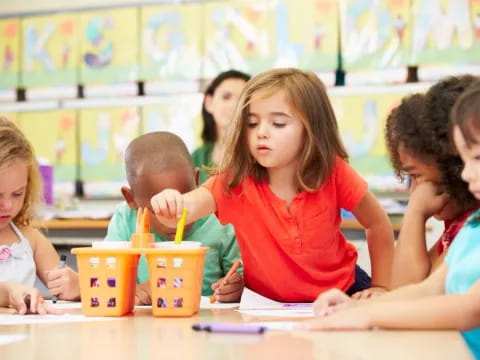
point(202, 156)
point(208, 230)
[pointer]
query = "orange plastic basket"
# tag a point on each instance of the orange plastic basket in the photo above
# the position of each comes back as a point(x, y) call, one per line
point(176, 277)
point(107, 280)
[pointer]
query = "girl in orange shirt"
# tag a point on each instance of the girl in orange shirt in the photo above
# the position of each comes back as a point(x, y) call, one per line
point(282, 182)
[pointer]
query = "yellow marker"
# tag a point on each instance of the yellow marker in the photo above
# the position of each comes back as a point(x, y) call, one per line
point(180, 227)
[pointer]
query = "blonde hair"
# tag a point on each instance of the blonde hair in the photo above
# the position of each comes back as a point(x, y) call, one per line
point(307, 97)
point(14, 146)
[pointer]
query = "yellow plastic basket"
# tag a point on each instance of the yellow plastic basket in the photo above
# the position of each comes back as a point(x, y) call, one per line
point(176, 277)
point(107, 280)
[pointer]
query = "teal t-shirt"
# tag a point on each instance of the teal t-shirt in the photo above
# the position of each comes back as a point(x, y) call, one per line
point(202, 156)
point(208, 230)
point(463, 270)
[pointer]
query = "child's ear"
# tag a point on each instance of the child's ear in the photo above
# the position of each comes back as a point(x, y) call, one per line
point(197, 176)
point(208, 103)
point(128, 196)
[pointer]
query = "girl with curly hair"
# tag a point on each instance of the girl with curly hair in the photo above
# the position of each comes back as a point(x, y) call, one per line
point(418, 143)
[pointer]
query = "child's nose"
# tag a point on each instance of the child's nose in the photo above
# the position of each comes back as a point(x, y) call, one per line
point(262, 130)
point(466, 172)
point(5, 204)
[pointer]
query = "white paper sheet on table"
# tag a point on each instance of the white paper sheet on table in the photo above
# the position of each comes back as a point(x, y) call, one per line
point(9, 338)
point(254, 304)
point(64, 305)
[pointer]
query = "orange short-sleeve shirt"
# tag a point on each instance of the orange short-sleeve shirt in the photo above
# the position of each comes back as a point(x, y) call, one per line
point(293, 254)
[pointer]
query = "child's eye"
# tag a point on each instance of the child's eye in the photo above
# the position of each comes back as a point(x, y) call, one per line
point(279, 125)
point(227, 96)
point(18, 194)
point(252, 124)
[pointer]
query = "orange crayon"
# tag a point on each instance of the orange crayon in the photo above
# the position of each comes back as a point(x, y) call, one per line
point(233, 269)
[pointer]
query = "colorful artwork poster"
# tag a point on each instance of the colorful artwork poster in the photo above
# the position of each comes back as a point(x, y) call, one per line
point(375, 34)
point(171, 46)
point(306, 34)
point(53, 136)
point(179, 114)
point(445, 32)
point(104, 136)
point(9, 53)
point(109, 46)
point(239, 35)
point(361, 117)
point(50, 50)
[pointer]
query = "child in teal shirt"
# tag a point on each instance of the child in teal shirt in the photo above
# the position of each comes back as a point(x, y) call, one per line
point(159, 160)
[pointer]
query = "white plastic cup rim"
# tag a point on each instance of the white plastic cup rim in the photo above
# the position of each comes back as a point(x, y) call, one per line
point(182, 245)
point(111, 244)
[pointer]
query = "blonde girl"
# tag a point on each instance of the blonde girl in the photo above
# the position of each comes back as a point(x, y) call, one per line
point(281, 183)
point(24, 251)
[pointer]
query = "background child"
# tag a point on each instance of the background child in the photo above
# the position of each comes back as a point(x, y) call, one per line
point(417, 140)
point(281, 183)
point(160, 160)
point(450, 297)
point(218, 108)
point(24, 251)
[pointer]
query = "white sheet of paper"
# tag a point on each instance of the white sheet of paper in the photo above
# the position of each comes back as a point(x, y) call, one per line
point(205, 304)
point(62, 304)
point(282, 313)
point(251, 300)
point(15, 319)
point(9, 338)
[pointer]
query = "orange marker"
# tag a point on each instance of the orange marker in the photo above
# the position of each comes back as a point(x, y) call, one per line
point(233, 269)
point(145, 221)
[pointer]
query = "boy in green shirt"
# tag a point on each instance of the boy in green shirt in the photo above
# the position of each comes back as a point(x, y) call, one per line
point(160, 160)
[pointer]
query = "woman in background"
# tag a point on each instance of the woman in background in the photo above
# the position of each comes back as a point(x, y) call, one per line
point(218, 107)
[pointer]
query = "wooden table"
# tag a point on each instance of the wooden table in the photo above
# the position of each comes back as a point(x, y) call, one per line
point(142, 336)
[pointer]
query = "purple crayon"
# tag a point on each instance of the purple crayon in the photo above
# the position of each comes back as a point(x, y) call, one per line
point(230, 328)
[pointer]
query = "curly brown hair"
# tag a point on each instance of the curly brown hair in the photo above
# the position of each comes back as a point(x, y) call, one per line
point(421, 125)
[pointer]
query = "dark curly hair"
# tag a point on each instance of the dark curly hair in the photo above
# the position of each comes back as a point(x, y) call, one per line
point(209, 132)
point(421, 124)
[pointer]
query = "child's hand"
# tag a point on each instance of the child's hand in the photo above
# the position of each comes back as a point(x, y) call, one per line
point(355, 318)
point(142, 294)
point(330, 301)
point(232, 289)
point(64, 283)
point(167, 206)
point(426, 199)
point(27, 300)
point(369, 293)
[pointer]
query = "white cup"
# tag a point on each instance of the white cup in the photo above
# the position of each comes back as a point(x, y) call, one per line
point(183, 245)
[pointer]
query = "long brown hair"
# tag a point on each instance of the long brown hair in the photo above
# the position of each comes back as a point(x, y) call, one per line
point(14, 146)
point(307, 97)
